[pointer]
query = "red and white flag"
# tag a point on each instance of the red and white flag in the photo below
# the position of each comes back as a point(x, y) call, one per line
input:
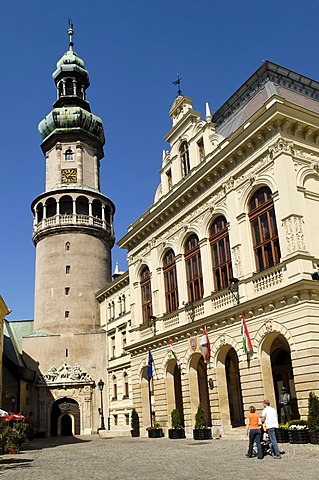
point(247, 345)
point(204, 346)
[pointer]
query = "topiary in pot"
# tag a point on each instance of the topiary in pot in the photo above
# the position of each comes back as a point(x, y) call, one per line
point(201, 431)
point(313, 418)
point(177, 431)
point(135, 424)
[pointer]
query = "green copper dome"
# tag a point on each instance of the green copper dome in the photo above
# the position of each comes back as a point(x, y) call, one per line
point(68, 119)
point(70, 63)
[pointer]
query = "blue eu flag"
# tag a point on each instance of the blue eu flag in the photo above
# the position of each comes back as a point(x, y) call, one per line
point(150, 364)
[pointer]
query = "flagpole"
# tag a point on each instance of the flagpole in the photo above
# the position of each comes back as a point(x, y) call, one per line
point(150, 399)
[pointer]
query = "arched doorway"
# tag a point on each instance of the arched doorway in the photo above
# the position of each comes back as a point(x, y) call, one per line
point(65, 417)
point(174, 389)
point(282, 373)
point(199, 386)
point(235, 399)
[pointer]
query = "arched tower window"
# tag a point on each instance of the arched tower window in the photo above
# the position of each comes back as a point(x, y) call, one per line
point(264, 229)
point(66, 205)
point(146, 291)
point(170, 281)
point(50, 207)
point(97, 209)
point(69, 87)
point(67, 246)
point(219, 242)
point(82, 206)
point(68, 155)
point(184, 154)
point(194, 275)
point(40, 212)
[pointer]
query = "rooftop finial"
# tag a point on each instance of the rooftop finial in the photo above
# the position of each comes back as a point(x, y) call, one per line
point(178, 82)
point(70, 33)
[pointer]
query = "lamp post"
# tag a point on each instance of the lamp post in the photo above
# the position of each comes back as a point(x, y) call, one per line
point(101, 386)
point(233, 287)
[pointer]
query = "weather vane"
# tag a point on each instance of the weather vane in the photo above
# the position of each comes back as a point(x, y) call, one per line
point(70, 33)
point(178, 82)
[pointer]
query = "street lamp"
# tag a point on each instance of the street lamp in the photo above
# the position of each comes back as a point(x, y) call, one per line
point(101, 386)
point(233, 287)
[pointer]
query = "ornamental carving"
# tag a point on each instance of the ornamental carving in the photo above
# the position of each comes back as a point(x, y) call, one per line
point(295, 240)
point(281, 146)
point(65, 374)
point(237, 260)
point(268, 326)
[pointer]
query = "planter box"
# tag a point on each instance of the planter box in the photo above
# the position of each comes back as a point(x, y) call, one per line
point(298, 436)
point(176, 433)
point(282, 435)
point(156, 433)
point(135, 433)
point(314, 437)
point(202, 434)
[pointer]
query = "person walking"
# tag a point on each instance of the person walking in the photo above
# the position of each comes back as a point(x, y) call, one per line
point(253, 430)
point(270, 419)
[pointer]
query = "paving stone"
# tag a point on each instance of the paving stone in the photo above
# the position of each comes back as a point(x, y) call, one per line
point(90, 457)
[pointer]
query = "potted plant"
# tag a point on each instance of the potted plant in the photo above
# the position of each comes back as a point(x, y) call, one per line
point(12, 437)
point(201, 431)
point(282, 433)
point(135, 424)
point(313, 418)
point(155, 431)
point(298, 431)
point(177, 430)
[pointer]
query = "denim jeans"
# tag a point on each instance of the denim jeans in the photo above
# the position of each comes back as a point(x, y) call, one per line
point(272, 437)
point(255, 436)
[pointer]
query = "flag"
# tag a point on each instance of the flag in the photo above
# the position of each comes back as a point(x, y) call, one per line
point(174, 353)
point(150, 364)
point(247, 345)
point(204, 346)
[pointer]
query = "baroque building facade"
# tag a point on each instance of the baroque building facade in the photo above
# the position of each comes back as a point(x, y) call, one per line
point(233, 230)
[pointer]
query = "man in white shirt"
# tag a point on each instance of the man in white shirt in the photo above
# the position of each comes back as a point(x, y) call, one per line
point(269, 418)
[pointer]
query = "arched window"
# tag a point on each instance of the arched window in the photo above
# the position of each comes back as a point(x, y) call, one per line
point(184, 154)
point(146, 291)
point(219, 242)
point(67, 246)
point(97, 209)
point(68, 155)
point(50, 207)
point(126, 386)
point(69, 87)
point(66, 205)
point(82, 206)
point(114, 387)
point(193, 269)
point(170, 282)
point(264, 229)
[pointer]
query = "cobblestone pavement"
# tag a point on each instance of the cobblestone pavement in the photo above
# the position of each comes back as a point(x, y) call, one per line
point(89, 457)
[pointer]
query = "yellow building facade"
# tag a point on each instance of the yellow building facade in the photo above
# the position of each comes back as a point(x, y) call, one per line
point(233, 230)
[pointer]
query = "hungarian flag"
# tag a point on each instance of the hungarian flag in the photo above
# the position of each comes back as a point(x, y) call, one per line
point(247, 345)
point(150, 364)
point(204, 346)
point(174, 353)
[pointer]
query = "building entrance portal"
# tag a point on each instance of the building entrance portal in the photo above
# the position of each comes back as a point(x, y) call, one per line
point(65, 418)
point(203, 389)
point(283, 374)
point(235, 399)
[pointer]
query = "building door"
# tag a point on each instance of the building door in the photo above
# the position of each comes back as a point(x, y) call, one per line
point(203, 389)
point(235, 399)
point(282, 373)
point(65, 417)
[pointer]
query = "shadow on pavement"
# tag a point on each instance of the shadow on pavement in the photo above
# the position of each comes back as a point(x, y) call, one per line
point(51, 442)
point(14, 463)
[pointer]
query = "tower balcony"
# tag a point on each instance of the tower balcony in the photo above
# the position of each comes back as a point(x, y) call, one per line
point(58, 213)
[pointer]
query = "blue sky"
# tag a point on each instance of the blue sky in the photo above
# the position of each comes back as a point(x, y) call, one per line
point(133, 50)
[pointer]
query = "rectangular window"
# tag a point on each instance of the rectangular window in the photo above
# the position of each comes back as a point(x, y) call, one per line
point(67, 290)
point(127, 419)
point(115, 419)
point(66, 352)
point(67, 269)
point(66, 314)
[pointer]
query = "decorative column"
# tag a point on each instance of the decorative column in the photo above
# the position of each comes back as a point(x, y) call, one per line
point(79, 161)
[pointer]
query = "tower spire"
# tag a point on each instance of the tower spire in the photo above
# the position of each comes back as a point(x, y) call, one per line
point(70, 33)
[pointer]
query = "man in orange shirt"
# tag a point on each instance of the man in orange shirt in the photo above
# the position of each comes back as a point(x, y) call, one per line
point(254, 432)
